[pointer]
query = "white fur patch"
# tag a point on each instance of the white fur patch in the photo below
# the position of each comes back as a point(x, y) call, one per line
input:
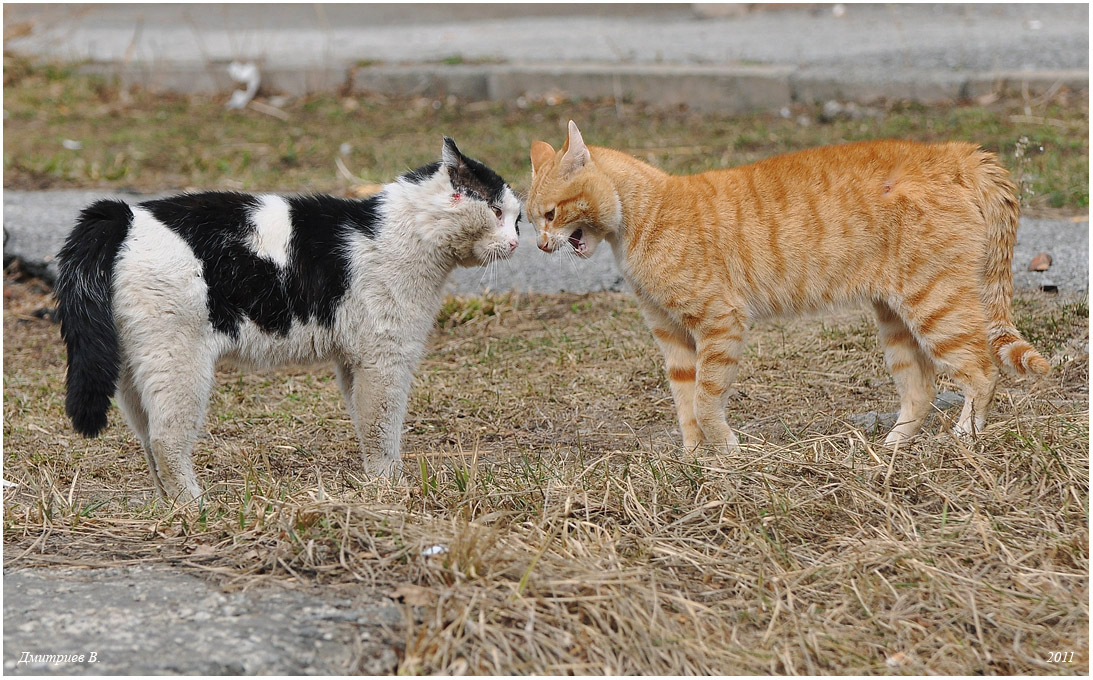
point(512, 210)
point(154, 251)
point(272, 230)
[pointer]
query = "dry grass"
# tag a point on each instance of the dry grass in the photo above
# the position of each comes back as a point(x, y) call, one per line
point(576, 536)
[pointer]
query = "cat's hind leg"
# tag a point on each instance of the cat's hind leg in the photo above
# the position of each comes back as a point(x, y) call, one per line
point(174, 381)
point(912, 370)
point(976, 372)
point(719, 340)
point(953, 332)
point(131, 407)
point(343, 373)
point(680, 358)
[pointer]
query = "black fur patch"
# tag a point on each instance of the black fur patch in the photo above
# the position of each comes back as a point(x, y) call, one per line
point(85, 307)
point(217, 227)
point(421, 174)
point(318, 265)
point(474, 178)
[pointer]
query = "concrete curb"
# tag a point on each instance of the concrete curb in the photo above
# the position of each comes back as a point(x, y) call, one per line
point(703, 88)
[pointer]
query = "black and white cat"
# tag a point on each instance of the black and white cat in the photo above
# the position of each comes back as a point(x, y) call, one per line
point(152, 295)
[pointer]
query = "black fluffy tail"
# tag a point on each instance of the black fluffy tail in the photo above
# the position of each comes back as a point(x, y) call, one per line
point(85, 293)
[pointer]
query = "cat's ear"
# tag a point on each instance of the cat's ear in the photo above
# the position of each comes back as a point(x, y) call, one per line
point(541, 152)
point(576, 153)
point(450, 154)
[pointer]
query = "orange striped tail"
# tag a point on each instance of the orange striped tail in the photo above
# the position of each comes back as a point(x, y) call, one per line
point(997, 197)
point(1017, 354)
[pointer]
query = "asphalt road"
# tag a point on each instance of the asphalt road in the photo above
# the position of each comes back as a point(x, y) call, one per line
point(870, 40)
point(725, 58)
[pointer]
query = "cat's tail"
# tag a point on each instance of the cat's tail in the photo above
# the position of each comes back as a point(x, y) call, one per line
point(85, 293)
point(997, 200)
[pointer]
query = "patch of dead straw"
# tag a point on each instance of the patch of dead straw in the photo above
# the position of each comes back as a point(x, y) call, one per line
point(551, 524)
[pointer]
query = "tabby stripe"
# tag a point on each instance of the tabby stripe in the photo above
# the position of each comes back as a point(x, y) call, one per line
point(740, 243)
point(705, 308)
point(759, 218)
point(773, 232)
point(1001, 341)
point(668, 336)
point(718, 357)
point(986, 362)
point(722, 333)
point(817, 219)
point(711, 387)
point(681, 374)
point(896, 247)
point(637, 239)
point(1017, 354)
point(949, 345)
point(901, 337)
point(927, 325)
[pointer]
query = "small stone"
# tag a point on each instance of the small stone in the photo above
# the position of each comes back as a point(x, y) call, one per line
point(1040, 263)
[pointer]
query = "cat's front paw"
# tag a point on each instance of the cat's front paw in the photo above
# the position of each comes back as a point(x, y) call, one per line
point(692, 436)
point(179, 493)
point(967, 430)
point(729, 444)
point(691, 443)
point(383, 466)
point(721, 438)
point(899, 437)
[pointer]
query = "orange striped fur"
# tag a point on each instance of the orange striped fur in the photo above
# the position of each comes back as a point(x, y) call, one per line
point(922, 232)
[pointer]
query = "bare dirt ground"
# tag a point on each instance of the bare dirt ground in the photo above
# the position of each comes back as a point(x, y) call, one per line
point(551, 523)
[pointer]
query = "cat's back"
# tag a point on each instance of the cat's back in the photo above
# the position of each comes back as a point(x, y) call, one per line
point(216, 220)
point(820, 167)
point(249, 234)
point(275, 260)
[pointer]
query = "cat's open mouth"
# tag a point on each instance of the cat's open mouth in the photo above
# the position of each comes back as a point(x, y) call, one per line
point(576, 239)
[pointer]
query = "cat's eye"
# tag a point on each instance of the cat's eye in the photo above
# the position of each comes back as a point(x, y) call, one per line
point(549, 215)
point(496, 211)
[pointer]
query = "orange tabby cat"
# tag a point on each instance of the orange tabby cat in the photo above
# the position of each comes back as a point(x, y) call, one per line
point(923, 232)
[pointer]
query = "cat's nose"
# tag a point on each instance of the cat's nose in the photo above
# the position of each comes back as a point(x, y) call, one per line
point(513, 243)
point(544, 243)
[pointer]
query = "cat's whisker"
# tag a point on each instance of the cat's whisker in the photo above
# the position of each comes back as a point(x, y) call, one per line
point(571, 258)
point(493, 256)
point(487, 270)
